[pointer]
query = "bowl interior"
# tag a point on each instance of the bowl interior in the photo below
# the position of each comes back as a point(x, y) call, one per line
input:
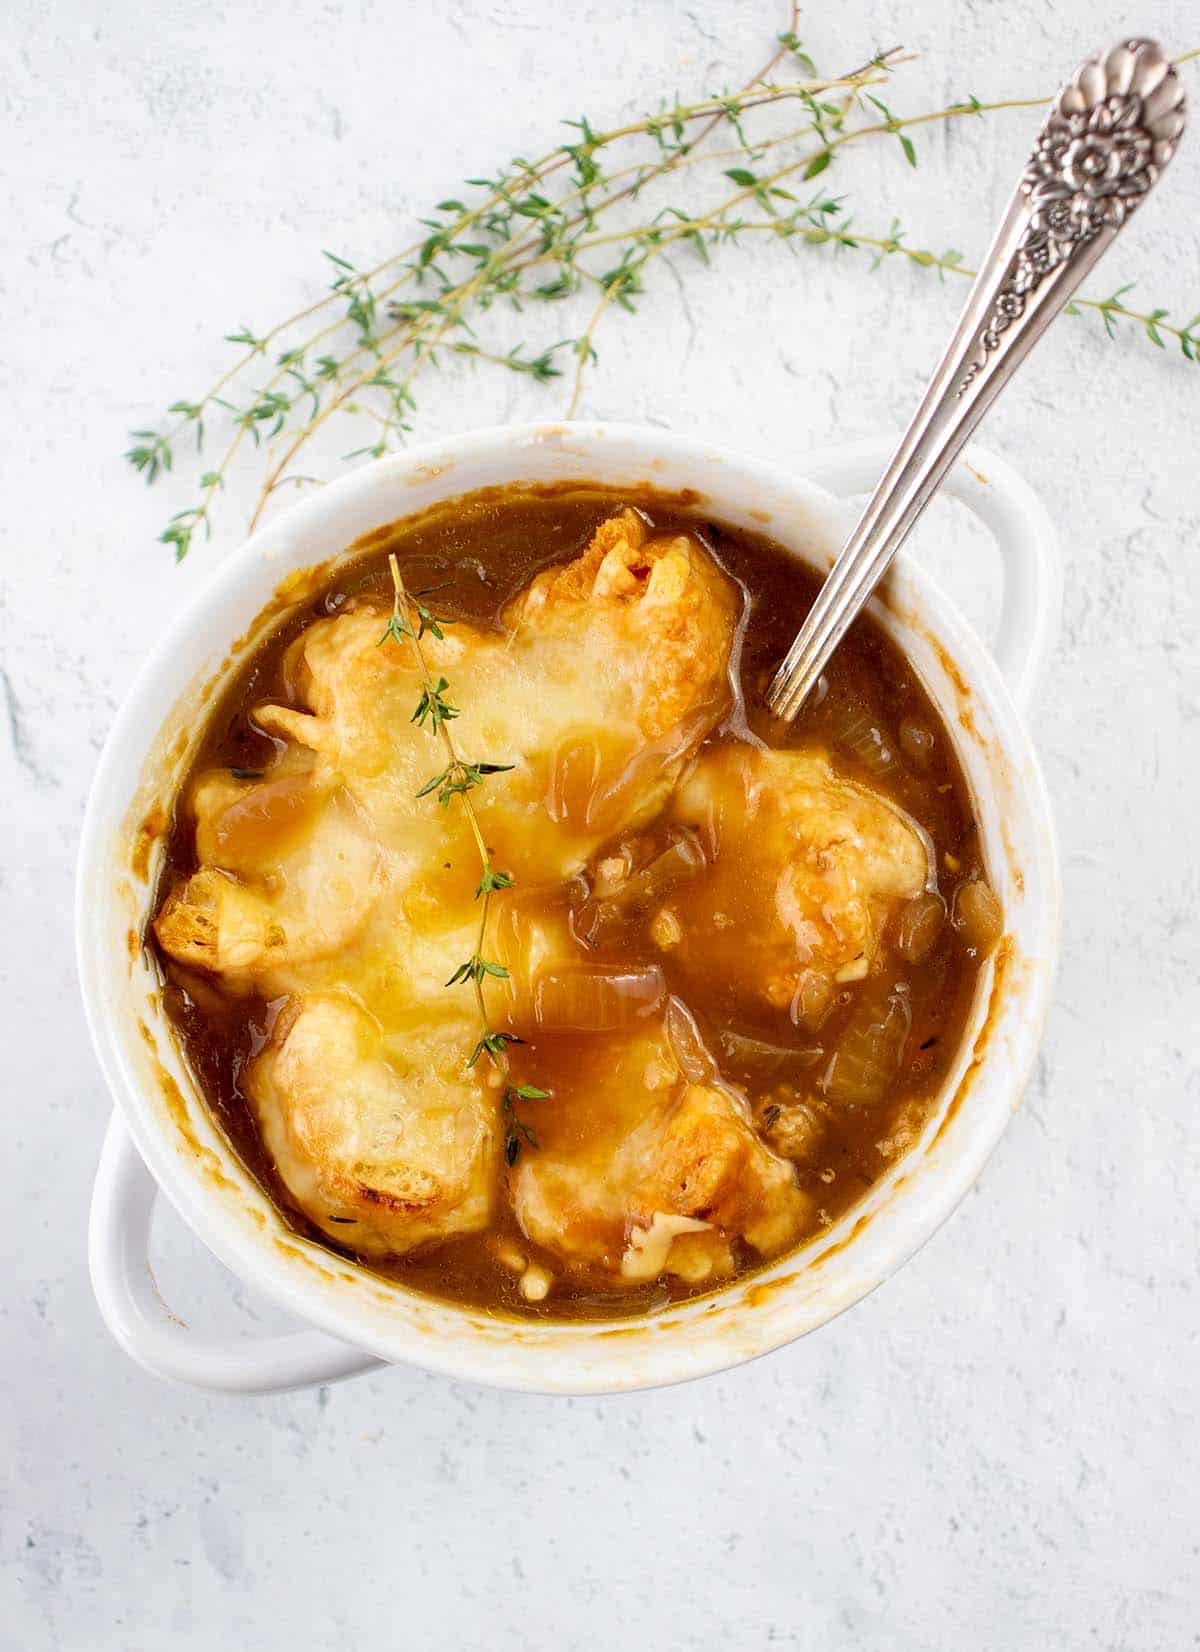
point(149, 748)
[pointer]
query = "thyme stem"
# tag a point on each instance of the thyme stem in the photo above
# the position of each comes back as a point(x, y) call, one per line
point(402, 618)
point(409, 622)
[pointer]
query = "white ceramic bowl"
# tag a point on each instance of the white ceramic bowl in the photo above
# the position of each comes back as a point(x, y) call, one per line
point(162, 1137)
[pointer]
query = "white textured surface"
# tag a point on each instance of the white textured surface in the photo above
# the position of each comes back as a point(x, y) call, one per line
point(1000, 1448)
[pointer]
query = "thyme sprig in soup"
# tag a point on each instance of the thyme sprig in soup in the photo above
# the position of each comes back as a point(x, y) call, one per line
point(521, 954)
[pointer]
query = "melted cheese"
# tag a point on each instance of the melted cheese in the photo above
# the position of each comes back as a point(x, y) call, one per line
point(807, 868)
point(290, 879)
point(332, 884)
point(607, 675)
point(630, 1143)
point(384, 1142)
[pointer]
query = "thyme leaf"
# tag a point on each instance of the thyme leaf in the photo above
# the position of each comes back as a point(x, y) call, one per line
point(433, 707)
point(457, 777)
point(493, 1044)
point(517, 1129)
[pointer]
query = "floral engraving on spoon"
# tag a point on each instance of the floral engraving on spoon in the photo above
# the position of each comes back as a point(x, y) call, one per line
point(1109, 133)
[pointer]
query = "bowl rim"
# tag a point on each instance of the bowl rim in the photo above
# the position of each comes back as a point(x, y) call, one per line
point(559, 1365)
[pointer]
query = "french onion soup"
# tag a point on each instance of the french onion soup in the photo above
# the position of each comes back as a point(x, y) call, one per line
point(521, 954)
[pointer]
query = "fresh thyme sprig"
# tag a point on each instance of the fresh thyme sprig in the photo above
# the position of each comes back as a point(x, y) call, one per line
point(538, 234)
point(458, 779)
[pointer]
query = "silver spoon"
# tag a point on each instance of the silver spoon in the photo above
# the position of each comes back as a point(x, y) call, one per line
point(1109, 134)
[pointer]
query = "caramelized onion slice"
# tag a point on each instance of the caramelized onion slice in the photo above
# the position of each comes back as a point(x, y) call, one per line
point(585, 998)
point(687, 1044)
point(574, 776)
point(812, 999)
point(765, 1061)
point(920, 926)
point(977, 916)
point(917, 742)
point(260, 821)
point(603, 920)
point(868, 1055)
point(857, 732)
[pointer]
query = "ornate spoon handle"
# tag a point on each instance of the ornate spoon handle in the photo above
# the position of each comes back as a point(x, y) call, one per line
point(1109, 134)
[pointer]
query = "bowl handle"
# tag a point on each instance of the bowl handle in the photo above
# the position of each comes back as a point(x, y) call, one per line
point(118, 1255)
point(1018, 522)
